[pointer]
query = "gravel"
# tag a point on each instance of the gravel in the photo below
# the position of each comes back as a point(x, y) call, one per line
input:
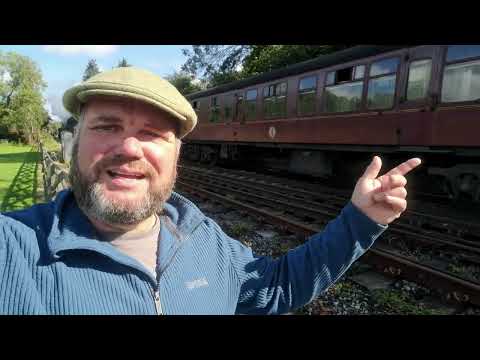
point(345, 297)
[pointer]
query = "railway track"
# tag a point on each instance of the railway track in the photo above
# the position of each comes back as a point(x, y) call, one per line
point(304, 211)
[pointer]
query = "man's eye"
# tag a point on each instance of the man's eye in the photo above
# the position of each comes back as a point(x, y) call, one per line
point(105, 128)
point(150, 133)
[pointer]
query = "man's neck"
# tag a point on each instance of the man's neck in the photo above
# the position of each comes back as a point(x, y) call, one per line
point(133, 229)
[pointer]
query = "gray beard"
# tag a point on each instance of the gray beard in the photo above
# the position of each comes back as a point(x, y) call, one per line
point(92, 201)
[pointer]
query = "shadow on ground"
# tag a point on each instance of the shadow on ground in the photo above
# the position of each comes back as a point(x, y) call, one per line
point(22, 191)
point(13, 158)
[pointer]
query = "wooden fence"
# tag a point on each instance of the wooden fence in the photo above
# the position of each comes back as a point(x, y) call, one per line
point(55, 174)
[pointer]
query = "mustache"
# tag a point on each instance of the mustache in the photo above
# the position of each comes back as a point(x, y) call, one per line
point(119, 160)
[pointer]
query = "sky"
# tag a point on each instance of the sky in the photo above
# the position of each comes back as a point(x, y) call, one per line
point(62, 66)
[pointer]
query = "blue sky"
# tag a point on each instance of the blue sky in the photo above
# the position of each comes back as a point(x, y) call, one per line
point(63, 65)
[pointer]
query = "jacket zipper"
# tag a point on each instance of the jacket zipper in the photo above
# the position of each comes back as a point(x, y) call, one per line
point(156, 294)
point(156, 299)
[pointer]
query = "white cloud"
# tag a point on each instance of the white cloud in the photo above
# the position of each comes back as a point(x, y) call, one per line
point(91, 50)
point(55, 109)
point(48, 107)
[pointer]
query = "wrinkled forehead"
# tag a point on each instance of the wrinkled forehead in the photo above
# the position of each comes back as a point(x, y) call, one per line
point(120, 107)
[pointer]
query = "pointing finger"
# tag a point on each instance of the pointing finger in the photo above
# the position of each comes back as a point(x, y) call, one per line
point(373, 169)
point(405, 167)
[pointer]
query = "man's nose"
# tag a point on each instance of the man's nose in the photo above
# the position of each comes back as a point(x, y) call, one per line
point(130, 147)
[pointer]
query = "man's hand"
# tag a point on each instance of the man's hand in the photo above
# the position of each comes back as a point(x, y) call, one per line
point(382, 199)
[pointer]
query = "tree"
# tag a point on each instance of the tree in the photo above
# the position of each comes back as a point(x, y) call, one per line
point(264, 58)
point(21, 101)
point(220, 64)
point(91, 69)
point(123, 63)
point(184, 82)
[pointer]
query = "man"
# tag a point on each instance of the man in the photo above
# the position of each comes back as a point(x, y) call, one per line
point(121, 242)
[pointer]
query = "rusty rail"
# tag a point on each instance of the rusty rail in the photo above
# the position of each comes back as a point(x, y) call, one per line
point(453, 287)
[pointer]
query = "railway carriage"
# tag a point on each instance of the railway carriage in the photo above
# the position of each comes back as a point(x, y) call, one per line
point(327, 116)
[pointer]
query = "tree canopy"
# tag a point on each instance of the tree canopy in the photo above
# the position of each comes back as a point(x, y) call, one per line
point(221, 64)
point(123, 63)
point(21, 102)
point(91, 69)
point(184, 82)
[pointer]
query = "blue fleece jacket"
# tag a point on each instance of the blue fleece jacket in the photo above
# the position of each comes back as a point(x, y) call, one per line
point(51, 262)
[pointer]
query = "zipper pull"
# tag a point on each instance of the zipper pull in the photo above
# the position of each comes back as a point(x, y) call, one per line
point(158, 305)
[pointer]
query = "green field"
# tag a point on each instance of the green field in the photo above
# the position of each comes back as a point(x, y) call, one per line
point(18, 176)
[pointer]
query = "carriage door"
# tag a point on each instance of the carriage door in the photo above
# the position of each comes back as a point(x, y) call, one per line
point(239, 112)
point(416, 96)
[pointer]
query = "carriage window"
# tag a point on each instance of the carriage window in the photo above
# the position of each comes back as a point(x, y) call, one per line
point(281, 89)
point(344, 98)
point(308, 83)
point(344, 75)
point(330, 78)
point(383, 67)
point(251, 95)
point(307, 89)
point(275, 100)
point(251, 104)
point(345, 95)
point(228, 108)
point(418, 79)
point(214, 110)
point(381, 92)
point(459, 52)
point(359, 72)
point(266, 91)
point(228, 113)
point(381, 86)
point(461, 82)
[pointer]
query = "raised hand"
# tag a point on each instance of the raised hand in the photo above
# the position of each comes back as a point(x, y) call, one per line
point(382, 198)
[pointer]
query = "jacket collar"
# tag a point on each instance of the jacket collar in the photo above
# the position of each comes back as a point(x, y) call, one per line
point(72, 230)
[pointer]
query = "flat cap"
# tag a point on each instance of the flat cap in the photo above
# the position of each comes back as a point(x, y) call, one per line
point(135, 83)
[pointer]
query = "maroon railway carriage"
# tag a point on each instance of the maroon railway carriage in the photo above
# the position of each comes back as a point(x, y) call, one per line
point(327, 116)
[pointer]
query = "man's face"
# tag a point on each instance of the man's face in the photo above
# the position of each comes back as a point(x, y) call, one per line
point(124, 163)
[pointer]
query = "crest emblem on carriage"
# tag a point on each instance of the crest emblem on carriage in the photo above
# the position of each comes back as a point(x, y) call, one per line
point(272, 132)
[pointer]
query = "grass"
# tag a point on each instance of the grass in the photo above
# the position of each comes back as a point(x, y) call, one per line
point(18, 176)
point(239, 229)
point(397, 302)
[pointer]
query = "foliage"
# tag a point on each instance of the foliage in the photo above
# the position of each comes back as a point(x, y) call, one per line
point(238, 230)
point(91, 69)
point(184, 82)
point(220, 64)
point(123, 63)
point(21, 103)
point(264, 58)
point(396, 302)
point(50, 143)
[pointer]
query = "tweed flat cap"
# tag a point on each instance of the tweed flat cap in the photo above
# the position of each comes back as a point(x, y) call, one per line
point(132, 82)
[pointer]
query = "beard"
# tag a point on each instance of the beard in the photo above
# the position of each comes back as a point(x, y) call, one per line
point(90, 195)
